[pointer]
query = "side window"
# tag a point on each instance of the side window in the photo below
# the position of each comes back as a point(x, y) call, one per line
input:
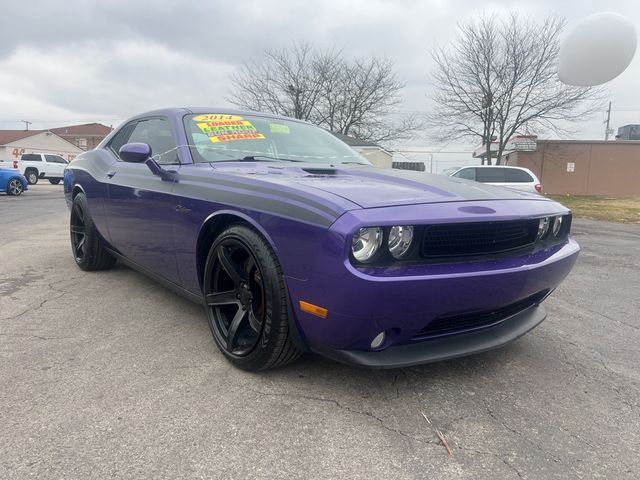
point(466, 173)
point(54, 159)
point(490, 175)
point(31, 157)
point(157, 133)
point(518, 176)
point(121, 138)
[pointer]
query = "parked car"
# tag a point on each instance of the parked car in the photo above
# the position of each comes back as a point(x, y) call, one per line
point(504, 176)
point(38, 165)
point(293, 242)
point(12, 182)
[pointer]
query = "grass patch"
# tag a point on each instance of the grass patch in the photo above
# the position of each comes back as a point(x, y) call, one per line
point(623, 210)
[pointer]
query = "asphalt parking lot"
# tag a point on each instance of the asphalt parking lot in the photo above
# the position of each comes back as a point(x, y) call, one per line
point(109, 375)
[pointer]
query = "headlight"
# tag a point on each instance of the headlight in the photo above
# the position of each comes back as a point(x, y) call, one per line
point(557, 226)
point(543, 227)
point(400, 239)
point(366, 243)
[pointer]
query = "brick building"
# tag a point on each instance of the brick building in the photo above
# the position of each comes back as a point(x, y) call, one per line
point(582, 167)
point(86, 136)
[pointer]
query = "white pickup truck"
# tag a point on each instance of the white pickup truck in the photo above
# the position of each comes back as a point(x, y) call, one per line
point(38, 165)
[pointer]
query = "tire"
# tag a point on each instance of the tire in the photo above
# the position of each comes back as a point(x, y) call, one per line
point(32, 176)
point(247, 302)
point(86, 246)
point(15, 187)
point(54, 181)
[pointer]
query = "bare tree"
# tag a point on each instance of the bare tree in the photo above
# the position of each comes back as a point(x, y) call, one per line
point(350, 97)
point(499, 77)
point(284, 84)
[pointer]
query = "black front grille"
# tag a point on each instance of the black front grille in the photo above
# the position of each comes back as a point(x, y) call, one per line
point(473, 320)
point(478, 238)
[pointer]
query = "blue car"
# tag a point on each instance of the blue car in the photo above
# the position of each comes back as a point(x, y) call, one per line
point(12, 182)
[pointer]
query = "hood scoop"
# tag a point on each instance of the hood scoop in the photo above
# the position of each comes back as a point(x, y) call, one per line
point(321, 172)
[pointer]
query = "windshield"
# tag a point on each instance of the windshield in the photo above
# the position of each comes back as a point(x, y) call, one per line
point(222, 137)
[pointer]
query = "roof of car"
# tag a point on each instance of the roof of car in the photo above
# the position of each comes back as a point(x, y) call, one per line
point(212, 110)
point(494, 166)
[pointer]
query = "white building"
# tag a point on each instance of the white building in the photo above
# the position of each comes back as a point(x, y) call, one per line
point(13, 143)
point(376, 154)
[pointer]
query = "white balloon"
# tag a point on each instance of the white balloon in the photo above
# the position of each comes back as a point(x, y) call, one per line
point(598, 49)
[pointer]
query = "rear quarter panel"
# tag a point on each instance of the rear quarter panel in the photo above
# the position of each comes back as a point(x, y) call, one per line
point(86, 173)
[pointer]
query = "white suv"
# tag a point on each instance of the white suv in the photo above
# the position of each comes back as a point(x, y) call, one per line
point(38, 165)
point(513, 177)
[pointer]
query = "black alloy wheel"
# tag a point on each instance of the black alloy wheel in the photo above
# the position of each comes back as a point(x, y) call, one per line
point(54, 181)
point(246, 301)
point(237, 297)
point(86, 245)
point(78, 233)
point(15, 187)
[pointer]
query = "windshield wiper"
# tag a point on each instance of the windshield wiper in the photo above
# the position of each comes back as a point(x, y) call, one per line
point(266, 158)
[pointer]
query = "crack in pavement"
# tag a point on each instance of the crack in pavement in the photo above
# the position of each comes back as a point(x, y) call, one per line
point(600, 359)
point(527, 439)
point(599, 314)
point(51, 286)
point(42, 304)
point(516, 432)
point(494, 455)
point(348, 409)
point(39, 337)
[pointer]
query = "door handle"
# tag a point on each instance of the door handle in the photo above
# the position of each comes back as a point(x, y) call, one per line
point(111, 174)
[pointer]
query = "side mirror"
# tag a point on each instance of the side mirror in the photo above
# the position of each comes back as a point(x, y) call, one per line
point(135, 152)
point(597, 49)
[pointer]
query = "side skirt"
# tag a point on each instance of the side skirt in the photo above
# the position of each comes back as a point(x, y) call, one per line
point(157, 278)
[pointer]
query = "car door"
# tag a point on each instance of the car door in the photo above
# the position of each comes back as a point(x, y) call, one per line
point(139, 208)
point(55, 166)
point(34, 162)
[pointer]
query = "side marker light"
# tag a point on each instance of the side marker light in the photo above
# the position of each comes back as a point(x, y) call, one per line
point(313, 309)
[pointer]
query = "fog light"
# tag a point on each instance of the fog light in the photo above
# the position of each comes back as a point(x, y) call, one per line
point(378, 340)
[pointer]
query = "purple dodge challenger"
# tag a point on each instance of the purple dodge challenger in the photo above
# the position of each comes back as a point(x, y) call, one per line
point(294, 242)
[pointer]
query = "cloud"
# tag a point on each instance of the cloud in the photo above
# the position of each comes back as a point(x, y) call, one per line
point(109, 59)
point(110, 79)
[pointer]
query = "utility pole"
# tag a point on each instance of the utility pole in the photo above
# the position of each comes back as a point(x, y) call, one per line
point(26, 124)
point(607, 130)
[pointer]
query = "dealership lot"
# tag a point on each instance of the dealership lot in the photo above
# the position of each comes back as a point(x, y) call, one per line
point(110, 375)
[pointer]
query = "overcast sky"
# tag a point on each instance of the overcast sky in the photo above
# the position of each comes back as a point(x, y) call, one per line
point(78, 61)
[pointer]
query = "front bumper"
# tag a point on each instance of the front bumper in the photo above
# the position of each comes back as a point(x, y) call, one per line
point(412, 301)
point(441, 348)
point(360, 305)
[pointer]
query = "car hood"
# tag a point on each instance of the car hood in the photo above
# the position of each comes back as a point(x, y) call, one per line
point(371, 187)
